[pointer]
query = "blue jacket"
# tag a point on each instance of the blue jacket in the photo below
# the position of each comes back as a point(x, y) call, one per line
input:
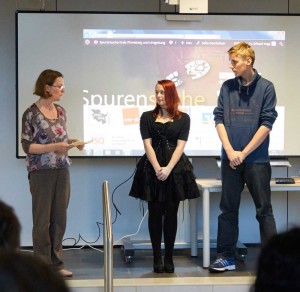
point(242, 110)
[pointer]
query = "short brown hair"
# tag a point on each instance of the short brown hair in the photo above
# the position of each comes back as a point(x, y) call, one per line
point(244, 50)
point(47, 77)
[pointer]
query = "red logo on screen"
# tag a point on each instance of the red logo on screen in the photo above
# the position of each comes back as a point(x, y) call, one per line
point(131, 116)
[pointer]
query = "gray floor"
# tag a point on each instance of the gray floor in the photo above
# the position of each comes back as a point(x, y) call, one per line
point(87, 263)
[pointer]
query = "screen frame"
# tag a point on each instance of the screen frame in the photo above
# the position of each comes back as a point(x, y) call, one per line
point(185, 16)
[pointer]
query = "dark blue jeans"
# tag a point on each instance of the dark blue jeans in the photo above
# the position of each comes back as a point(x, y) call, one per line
point(257, 177)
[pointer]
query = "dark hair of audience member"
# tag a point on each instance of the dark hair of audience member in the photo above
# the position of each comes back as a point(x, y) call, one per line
point(10, 228)
point(279, 264)
point(21, 272)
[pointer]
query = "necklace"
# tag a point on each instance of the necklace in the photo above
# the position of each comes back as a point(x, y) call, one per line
point(49, 107)
point(49, 111)
point(164, 119)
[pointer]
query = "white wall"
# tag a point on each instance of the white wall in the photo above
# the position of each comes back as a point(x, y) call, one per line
point(87, 175)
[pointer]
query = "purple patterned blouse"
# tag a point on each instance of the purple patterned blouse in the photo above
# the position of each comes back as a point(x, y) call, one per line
point(36, 128)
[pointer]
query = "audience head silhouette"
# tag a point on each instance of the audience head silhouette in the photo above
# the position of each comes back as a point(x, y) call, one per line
point(279, 264)
point(10, 228)
point(20, 272)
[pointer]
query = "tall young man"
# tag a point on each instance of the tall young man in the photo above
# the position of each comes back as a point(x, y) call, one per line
point(244, 118)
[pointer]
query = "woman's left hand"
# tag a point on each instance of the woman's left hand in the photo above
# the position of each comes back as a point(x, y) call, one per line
point(163, 173)
point(79, 147)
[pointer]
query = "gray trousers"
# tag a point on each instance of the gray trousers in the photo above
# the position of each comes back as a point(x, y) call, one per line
point(50, 190)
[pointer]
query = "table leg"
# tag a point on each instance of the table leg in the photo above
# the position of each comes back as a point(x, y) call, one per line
point(206, 233)
point(194, 226)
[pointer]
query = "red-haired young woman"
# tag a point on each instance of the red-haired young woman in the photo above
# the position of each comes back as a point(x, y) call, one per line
point(164, 175)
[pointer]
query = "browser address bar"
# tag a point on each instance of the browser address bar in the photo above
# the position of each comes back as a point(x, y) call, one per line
point(156, 36)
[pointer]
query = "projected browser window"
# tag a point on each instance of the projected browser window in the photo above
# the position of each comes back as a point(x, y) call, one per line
point(102, 37)
point(130, 62)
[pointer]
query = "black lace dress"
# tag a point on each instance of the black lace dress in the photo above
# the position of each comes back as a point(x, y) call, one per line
point(180, 184)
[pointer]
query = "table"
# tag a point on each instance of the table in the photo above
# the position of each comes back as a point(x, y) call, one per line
point(208, 186)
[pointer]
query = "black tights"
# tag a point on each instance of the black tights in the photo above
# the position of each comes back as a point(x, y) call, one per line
point(163, 218)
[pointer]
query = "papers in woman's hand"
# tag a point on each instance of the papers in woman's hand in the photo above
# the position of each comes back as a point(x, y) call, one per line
point(80, 143)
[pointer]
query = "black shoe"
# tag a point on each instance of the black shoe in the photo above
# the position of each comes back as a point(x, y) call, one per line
point(169, 265)
point(158, 266)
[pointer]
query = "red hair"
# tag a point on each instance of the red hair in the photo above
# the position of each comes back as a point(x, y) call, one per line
point(171, 97)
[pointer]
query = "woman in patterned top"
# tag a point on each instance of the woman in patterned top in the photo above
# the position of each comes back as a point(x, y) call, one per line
point(46, 143)
point(164, 175)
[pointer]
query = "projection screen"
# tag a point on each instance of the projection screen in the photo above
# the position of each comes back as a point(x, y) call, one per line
point(111, 62)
